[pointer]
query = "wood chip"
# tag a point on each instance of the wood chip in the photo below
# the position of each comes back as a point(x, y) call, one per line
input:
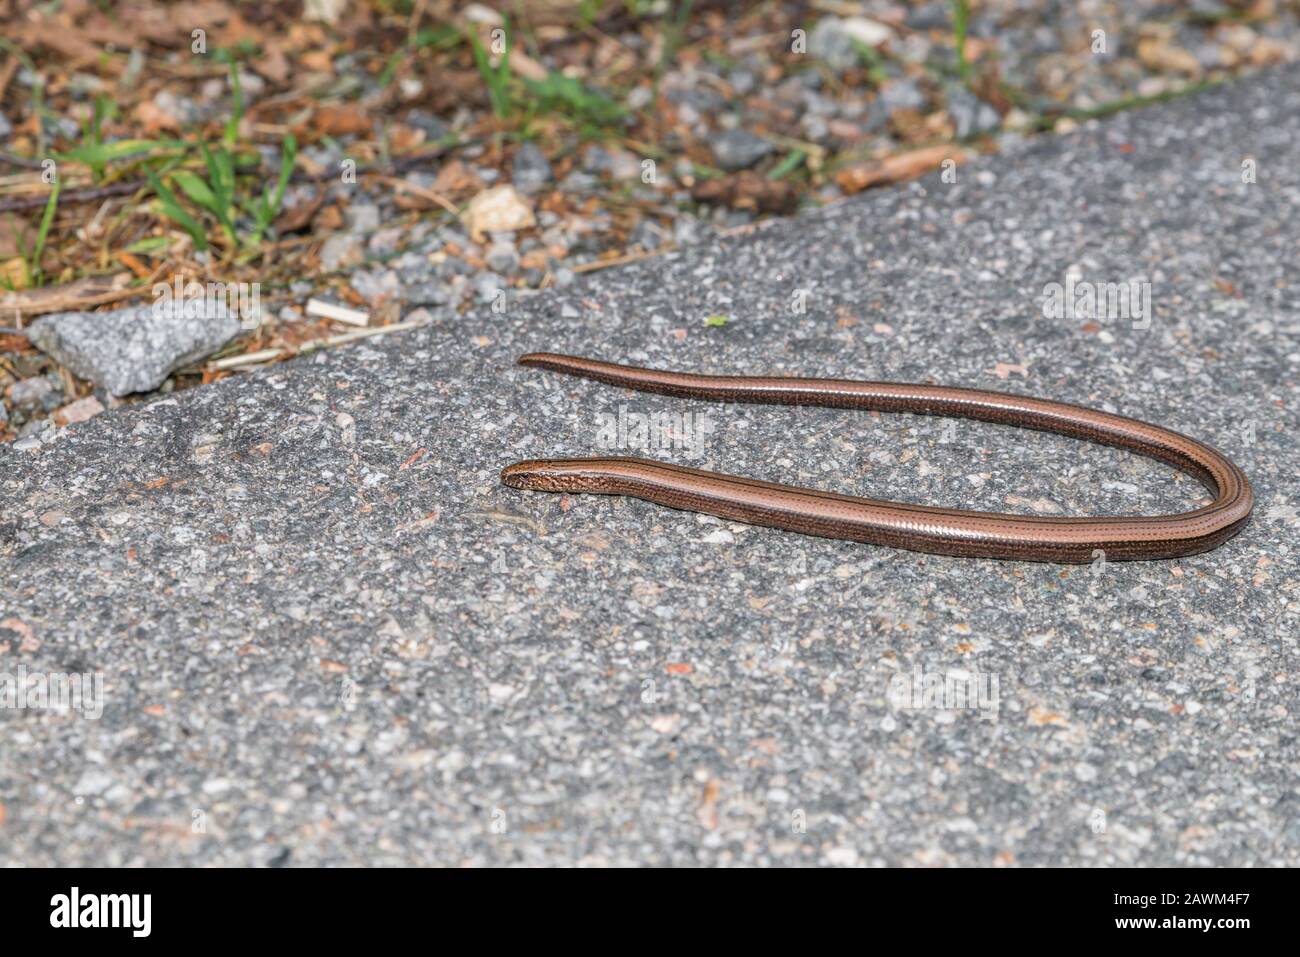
point(246, 359)
point(329, 310)
point(896, 169)
point(82, 294)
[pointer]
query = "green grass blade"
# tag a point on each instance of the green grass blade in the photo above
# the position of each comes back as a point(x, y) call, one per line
point(175, 212)
point(51, 205)
point(93, 154)
point(960, 20)
point(237, 106)
point(197, 190)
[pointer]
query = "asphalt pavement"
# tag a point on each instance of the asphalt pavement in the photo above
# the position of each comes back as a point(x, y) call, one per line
point(327, 635)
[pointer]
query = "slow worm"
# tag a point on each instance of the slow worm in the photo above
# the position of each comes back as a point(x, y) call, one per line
point(922, 528)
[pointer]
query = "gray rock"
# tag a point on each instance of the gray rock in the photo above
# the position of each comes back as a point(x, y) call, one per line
point(579, 182)
point(936, 15)
point(362, 217)
point(832, 44)
point(487, 286)
point(340, 251)
point(687, 230)
point(704, 100)
point(27, 395)
point(639, 98)
point(647, 234)
point(6, 128)
point(377, 284)
point(901, 95)
point(385, 242)
point(180, 109)
point(434, 128)
point(530, 170)
point(428, 294)
point(502, 257)
point(837, 40)
point(743, 82)
point(970, 115)
point(251, 86)
point(739, 149)
point(133, 349)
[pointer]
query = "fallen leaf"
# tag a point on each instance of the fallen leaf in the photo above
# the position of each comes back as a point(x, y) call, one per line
point(747, 190)
point(327, 220)
point(300, 216)
point(14, 273)
point(342, 119)
point(153, 119)
point(455, 177)
point(272, 64)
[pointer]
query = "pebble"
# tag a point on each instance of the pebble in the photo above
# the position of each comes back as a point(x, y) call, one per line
point(970, 115)
point(739, 149)
point(341, 251)
point(902, 95)
point(362, 217)
point(377, 284)
point(385, 242)
point(434, 128)
point(181, 110)
point(502, 257)
point(647, 234)
point(530, 170)
point(835, 39)
point(78, 411)
point(27, 394)
point(487, 286)
point(497, 210)
point(743, 82)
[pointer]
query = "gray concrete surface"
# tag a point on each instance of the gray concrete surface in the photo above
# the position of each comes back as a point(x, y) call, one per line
point(328, 635)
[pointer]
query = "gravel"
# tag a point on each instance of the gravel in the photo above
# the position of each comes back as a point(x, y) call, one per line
point(329, 636)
